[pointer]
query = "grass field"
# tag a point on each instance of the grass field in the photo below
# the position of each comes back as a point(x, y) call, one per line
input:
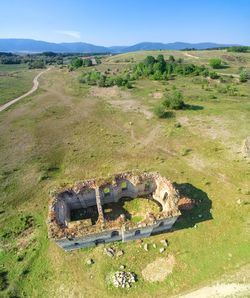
point(15, 80)
point(67, 131)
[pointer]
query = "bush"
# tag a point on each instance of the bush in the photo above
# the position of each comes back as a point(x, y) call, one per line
point(213, 75)
point(216, 63)
point(160, 110)
point(174, 101)
point(243, 76)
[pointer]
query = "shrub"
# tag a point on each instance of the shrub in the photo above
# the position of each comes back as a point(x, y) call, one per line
point(174, 101)
point(243, 76)
point(160, 110)
point(213, 75)
point(216, 63)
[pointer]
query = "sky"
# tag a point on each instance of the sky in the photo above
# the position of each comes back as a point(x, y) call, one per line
point(126, 22)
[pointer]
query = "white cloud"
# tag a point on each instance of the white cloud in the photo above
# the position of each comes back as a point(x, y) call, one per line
point(69, 33)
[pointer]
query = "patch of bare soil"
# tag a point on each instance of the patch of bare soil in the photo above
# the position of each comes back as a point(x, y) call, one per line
point(159, 269)
point(157, 95)
point(107, 92)
point(196, 162)
point(131, 105)
point(120, 99)
point(151, 135)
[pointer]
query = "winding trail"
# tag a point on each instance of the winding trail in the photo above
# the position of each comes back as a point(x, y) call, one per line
point(33, 89)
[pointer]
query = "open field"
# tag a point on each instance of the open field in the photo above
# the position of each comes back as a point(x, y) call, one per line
point(67, 131)
point(15, 80)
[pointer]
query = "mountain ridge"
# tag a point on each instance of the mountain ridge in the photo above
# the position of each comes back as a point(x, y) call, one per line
point(37, 46)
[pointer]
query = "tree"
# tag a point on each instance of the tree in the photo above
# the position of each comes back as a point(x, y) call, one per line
point(216, 63)
point(87, 62)
point(76, 62)
point(162, 63)
point(149, 60)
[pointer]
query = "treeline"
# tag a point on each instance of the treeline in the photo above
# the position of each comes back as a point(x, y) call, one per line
point(32, 59)
point(239, 49)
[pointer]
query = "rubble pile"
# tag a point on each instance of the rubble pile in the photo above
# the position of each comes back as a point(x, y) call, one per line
point(123, 279)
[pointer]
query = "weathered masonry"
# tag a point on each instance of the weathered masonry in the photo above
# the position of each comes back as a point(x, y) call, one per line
point(77, 217)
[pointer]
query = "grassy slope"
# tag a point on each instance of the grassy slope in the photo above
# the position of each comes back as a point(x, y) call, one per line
point(63, 134)
point(15, 80)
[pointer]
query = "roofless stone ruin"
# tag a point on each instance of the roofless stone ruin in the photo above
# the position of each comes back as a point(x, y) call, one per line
point(91, 212)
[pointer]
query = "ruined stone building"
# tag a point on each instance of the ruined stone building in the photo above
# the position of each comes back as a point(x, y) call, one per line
point(77, 217)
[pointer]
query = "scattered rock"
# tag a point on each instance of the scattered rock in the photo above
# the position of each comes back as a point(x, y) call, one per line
point(238, 201)
point(164, 242)
point(120, 253)
point(122, 279)
point(122, 267)
point(145, 246)
point(162, 249)
point(89, 262)
point(200, 215)
point(154, 245)
point(109, 252)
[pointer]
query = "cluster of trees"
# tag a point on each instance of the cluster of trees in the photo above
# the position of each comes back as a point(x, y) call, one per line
point(239, 49)
point(77, 62)
point(9, 58)
point(161, 69)
point(152, 68)
point(173, 101)
point(97, 78)
point(36, 64)
point(33, 60)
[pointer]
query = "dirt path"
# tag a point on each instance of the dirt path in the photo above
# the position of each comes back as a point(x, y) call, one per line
point(33, 89)
point(229, 74)
point(220, 291)
point(191, 56)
